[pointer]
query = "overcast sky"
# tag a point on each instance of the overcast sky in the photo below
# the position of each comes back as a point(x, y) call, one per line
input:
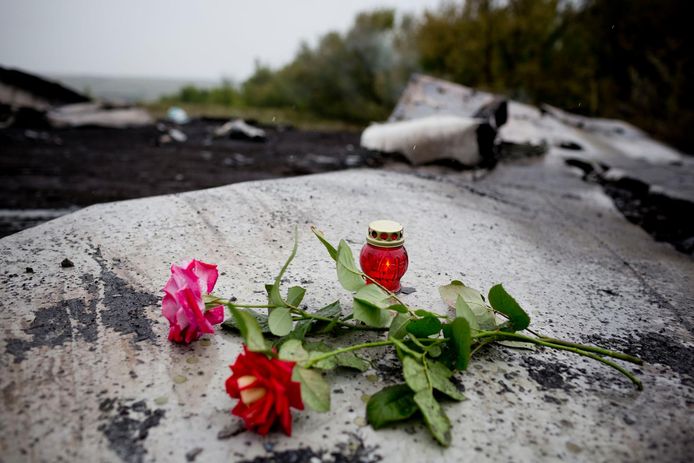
point(206, 39)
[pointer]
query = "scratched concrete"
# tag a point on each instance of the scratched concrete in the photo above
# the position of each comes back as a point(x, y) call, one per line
point(88, 375)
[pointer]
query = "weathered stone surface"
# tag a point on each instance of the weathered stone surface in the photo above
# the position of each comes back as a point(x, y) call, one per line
point(88, 375)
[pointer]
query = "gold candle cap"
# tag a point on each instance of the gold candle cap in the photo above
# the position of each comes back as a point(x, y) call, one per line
point(385, 234)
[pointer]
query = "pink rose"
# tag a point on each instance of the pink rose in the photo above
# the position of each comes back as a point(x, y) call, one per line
point(183, 303)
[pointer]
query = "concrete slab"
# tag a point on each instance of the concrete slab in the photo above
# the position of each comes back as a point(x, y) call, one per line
point(88, 375)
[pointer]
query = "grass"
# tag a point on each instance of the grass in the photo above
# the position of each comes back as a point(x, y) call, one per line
point(279, 116)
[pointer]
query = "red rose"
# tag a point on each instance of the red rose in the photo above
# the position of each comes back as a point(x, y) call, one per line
point(266, 390)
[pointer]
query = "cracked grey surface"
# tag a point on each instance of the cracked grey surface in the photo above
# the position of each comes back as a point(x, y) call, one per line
point(88, 375)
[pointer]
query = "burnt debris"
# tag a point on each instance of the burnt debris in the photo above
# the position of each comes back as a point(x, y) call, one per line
point(126, 425)
point(665, 218)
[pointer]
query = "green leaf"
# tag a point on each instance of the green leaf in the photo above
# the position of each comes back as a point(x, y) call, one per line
point(348, 274)
point(460, 340)
point(389, 405)
point(434, 351)
point(250, 330)
point(439, 375)
point(230, 323)
point(438, 423)
point(274, 295)
point(398, 327)
point(280, 321)
point(325, 364)
point(503, 302)
point(415, 374)
point(352, 360)
point(331, 249)
point(333, 311)
point(268, 290)
point(463, 310)
point(397, 308)
point(301, 329)
point(372, 294)
point(315, 391)
point(371, 306)
point(292, 350)
point(370, 314)
point(475, 301)
point(319, 346)
point(424, 327)
point(424, 313)
point(295, 295)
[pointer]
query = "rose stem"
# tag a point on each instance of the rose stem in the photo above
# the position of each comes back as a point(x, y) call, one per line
point(251, 306)
point(575, 350)
point(597, 350)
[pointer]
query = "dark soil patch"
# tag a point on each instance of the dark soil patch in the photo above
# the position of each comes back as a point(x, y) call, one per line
point(388, 368)
point(52, 327)
point(76, 319)
point(352, 451)
point(549, 375)
point(664, 218)
point(127, 426)
point(72, 168)
point(653, 348)
point(125, 307)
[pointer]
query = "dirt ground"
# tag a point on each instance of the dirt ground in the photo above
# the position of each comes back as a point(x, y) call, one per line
point(45, 173)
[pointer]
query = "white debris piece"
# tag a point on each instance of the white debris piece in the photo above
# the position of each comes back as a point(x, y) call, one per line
point(428, 96)
point(177, 115)
point(618, 136)
point(238, 128)
point(178, 135)
point(97, 114)
point(427, 139)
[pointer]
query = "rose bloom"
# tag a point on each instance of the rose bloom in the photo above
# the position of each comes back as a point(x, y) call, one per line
point(266, 391)
point(183, 304)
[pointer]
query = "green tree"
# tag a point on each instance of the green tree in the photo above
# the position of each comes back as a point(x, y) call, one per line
point(355, 77)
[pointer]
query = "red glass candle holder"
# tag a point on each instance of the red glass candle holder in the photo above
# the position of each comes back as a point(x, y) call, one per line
point(384, 257)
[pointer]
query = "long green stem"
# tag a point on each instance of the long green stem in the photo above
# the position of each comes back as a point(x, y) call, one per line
point(595, 349)
point(365, 345)
point(250, 306)
point(574, 349)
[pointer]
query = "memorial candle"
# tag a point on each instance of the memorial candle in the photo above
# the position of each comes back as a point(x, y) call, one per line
point(384, 257)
